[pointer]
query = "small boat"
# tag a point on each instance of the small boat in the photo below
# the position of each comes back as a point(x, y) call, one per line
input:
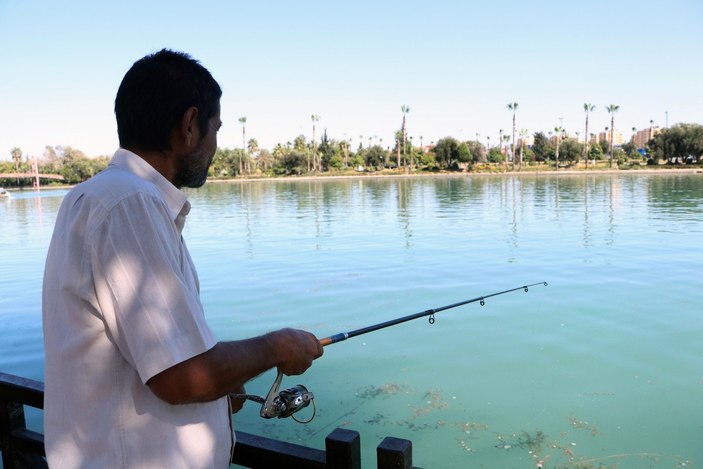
point(4, 194)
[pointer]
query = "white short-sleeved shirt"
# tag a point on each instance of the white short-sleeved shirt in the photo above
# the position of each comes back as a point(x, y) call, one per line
point(121, 304)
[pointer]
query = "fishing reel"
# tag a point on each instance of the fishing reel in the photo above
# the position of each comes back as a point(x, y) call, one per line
point(284, 403)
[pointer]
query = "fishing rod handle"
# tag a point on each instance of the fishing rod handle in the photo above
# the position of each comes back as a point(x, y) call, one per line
point(333, 339)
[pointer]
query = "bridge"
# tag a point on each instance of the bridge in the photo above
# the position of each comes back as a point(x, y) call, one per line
point(57, 177)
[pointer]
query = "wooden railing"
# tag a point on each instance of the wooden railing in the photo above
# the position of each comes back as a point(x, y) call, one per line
point(24, 448)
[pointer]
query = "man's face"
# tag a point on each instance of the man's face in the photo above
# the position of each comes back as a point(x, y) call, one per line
point(194, 167)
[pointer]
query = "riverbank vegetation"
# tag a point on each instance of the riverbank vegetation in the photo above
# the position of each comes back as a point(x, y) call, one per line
point(677, 146)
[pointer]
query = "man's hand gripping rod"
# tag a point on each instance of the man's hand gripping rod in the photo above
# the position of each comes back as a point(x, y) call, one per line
point(289, 401)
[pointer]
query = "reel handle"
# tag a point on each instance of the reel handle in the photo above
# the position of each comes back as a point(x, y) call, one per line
point(269, 409)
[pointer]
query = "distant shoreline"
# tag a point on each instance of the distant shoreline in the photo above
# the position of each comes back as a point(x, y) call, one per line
point(374, 175)
point(380, 175)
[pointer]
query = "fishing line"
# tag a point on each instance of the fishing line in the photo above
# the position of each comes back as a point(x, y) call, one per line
point(285, 403)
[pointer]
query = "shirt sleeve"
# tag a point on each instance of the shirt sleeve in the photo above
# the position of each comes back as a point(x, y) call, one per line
point(147, 288)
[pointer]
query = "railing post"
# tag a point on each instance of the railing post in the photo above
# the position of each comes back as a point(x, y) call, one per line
point(21, 448)
point(394, 453)
point(343, 448)
point(11, 418)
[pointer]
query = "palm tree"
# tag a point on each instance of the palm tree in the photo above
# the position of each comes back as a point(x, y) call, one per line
point(523, 134)
point(17, 159)
point(314, 119)
point(253, 146)
point(264, 160)
point(513, 107)
point(558, 131)
point(604, 133)
point(500, 142)
point(612, 109)
point(506, 139)
point(405, 110)
point(243, 121)
point(588, 108)
point(398, 139)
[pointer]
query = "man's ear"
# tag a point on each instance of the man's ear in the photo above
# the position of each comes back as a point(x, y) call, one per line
point(189, 129)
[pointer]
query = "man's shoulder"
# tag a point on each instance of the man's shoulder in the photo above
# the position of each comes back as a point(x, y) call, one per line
point(114, 184)
point(99, 195)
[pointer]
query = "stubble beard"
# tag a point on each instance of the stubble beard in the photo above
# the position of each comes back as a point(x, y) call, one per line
point(194, 168)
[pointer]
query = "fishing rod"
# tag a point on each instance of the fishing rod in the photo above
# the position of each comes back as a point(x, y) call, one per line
point(333, 339)
point(289, 401)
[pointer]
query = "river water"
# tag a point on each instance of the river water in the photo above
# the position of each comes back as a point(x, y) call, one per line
point(602, 367)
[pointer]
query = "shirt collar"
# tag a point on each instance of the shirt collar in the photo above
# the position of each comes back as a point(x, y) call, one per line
point(175, 199)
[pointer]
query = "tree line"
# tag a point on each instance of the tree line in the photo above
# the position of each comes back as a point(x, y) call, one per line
point(680, 144)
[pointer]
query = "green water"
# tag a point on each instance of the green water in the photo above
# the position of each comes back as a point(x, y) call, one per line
point(602, 367)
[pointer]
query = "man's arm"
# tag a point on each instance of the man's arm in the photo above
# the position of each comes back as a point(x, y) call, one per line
point(228, 366)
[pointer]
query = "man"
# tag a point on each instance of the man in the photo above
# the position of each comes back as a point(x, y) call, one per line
point(134, 377)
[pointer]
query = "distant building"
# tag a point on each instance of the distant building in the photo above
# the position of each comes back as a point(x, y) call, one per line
point(605, 137)
point(564, 136)
point(641, 137)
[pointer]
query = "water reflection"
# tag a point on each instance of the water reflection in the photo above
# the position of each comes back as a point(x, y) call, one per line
point(28, 214)
point(403, 189)
point(478, 205)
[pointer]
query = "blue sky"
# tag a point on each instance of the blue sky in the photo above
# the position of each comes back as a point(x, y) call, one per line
point(456, 64)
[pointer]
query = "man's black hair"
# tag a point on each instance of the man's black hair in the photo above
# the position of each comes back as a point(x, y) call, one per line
point(156, 92)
